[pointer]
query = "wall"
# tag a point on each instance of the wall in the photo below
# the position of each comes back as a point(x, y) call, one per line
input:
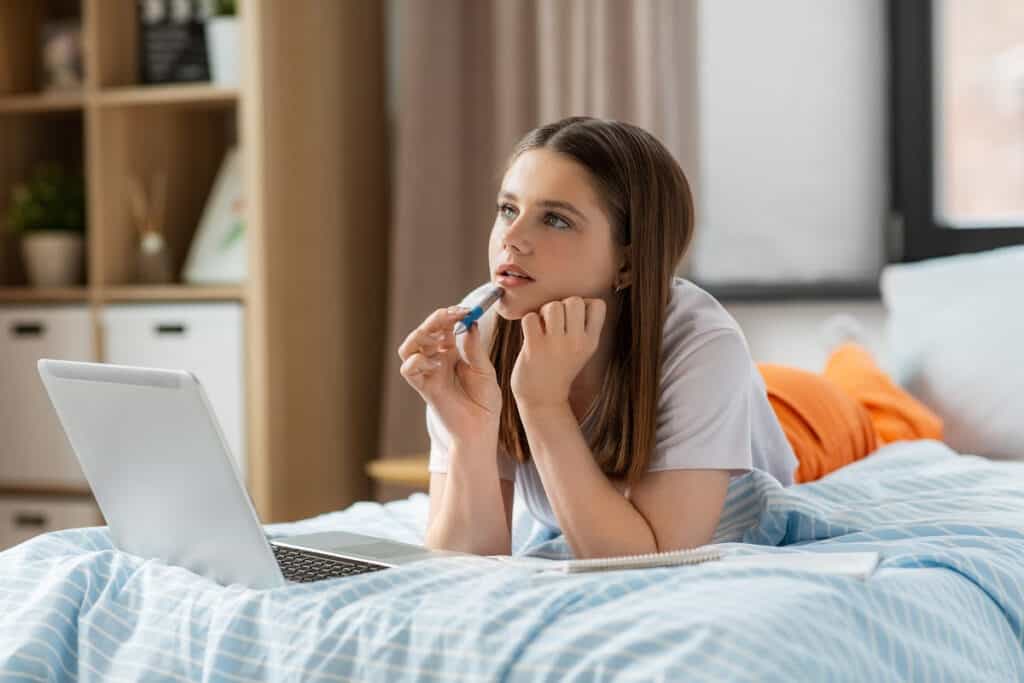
point(798, 333)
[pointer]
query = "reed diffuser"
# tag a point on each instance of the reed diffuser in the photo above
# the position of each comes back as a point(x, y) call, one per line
point(153, 259)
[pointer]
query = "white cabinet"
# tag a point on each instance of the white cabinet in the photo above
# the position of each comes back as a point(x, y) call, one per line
point(33, 448)
point(204, 338)
point(23, 517)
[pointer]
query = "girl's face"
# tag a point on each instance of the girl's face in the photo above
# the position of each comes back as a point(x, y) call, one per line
point(551, 227)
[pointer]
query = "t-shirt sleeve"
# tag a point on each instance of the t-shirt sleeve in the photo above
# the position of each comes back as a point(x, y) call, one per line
point(704, 415)
point(440, 446)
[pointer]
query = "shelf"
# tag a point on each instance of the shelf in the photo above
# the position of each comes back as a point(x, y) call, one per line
point(403, 471)
point(124, 293)
point(43, 294)
point(34, 103)
point(200, 94)
point(40, 295)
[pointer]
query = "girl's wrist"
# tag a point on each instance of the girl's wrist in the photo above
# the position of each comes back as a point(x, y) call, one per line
point(539, 408)
point(483, 439)
point(475, 461)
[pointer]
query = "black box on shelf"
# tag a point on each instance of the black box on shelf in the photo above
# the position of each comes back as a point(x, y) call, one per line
point(172, 41)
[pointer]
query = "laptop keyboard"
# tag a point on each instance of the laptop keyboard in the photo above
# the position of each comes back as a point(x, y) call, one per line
point(303, 566)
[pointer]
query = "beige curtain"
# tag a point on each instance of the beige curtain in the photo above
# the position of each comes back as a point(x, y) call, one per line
point(473, 77)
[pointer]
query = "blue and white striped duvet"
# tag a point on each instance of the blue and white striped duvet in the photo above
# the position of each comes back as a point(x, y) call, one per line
point(947, 602)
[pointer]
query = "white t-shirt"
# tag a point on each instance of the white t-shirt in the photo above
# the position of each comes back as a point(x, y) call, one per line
point(713, 412)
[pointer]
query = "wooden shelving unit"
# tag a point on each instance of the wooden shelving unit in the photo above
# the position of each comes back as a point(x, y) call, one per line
point(311, 114)
point(113, 129)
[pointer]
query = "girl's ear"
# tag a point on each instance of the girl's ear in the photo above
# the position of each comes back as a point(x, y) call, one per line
point(624, 278)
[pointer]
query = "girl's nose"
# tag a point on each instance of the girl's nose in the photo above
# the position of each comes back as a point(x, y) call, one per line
point(515, 236)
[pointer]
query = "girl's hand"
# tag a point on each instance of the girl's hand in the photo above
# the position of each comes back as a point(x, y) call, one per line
point(557, 343)
point(461, 388)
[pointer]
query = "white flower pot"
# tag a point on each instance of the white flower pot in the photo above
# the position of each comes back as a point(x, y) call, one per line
point(52, 259)
point(224, 50)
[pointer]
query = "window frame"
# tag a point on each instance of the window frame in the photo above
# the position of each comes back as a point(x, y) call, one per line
point(921, 235)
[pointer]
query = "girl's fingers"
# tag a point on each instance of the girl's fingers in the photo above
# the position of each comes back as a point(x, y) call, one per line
point(417, 369)
point(421, 341)
point(473, 348)
point(531, 328)
point(434, 331)
point(596, 310)
point(575, 315)
point(553, 314)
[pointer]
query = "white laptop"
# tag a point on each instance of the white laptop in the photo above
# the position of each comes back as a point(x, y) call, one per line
point(163, 476)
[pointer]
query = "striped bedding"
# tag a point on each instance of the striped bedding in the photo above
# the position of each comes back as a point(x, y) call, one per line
point(947, 602)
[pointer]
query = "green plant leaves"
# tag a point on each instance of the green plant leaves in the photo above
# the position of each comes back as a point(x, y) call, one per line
point(51, 199)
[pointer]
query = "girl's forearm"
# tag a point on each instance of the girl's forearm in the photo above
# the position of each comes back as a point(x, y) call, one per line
point(596, 519)
point(471, 517)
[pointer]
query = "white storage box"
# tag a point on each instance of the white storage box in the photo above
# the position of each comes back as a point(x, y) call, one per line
point(33, 448)
point(23, 517)
point(202, 338)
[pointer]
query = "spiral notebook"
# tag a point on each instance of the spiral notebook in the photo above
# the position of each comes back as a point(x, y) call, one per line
point(669, 559)
point(858, 565)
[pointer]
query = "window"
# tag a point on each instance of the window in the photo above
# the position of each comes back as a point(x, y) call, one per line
point(957, 92)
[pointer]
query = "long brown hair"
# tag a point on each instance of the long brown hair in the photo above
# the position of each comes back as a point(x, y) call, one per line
point(649, 204)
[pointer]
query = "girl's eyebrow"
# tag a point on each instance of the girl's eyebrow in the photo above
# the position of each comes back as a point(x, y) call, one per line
point(548, 203)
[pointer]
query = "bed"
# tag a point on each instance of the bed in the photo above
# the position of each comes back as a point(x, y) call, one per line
point(946, 603)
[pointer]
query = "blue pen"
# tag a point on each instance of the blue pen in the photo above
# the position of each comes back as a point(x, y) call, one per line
point(489, 297)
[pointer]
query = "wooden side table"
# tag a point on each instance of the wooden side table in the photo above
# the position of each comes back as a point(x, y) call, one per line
point(408, 471)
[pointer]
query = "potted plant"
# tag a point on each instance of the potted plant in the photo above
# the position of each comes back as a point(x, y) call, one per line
point(48, 211)
point(222, 43)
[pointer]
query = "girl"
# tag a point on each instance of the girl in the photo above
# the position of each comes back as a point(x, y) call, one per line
point(618, 398)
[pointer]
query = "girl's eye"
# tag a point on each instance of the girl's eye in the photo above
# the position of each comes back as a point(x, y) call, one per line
point(556, 221)
point(506, 211)
point(509, 213)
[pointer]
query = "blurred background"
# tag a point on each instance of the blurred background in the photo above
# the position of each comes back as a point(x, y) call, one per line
point(272, 194)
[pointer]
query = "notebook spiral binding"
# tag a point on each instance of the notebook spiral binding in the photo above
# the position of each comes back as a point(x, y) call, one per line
point(666, 559)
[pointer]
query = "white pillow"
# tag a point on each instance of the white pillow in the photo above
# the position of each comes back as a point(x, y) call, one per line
point(955, 337)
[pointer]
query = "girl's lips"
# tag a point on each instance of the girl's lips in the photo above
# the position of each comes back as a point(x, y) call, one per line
point(510, 281)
